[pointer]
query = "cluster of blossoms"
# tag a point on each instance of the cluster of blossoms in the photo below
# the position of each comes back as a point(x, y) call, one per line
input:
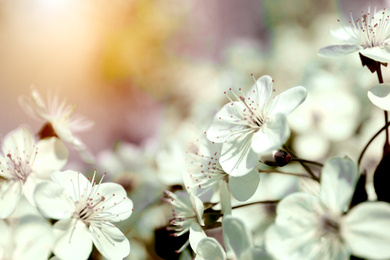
point(329, 216)
point(242, 192)
point(34, 189)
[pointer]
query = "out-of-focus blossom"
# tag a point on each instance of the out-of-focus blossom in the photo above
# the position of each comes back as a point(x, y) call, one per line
point(315, 227)
point(29, 237)
point(24, 164)
point(331, 113)
point(254, 124)
point(238, 243)
point(86, 213)
point(369, 35)
point(58, 120)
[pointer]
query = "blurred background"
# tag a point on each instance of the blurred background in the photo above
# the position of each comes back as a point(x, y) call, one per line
point(151, 75)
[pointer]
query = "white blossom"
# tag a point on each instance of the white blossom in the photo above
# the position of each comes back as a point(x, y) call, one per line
point(253, 125)
point(24, 164)
point(311, 226)
point(86, 213)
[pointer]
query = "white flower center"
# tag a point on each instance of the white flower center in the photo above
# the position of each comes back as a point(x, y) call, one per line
point(253, 117)
point(329, 226)
point(369, 30)
point(90, 204)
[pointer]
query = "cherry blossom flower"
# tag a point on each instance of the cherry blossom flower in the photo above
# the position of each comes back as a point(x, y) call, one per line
point(24, 164)
point(238, 243)
point(86, 213)
point(206, 172)
point(58, 117)
point(311, 226)
point(187, 216)
point(253, 125)
point(369, 35)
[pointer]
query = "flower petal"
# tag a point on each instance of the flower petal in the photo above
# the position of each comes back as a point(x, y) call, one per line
point(338, 181)
point(367, 230)
point(72, 181)
point(272, 135)
point(52, 155)
point(377, 53)
point(198, 207)
point(287, 101)
point(236, 236)
point(229, 119)
point(110, 241)
point(339, 50)
point(209, 248)
point(295, 234)
point(19, 143)
point(243, 187)
point(261, 91)
point(73, 240)
point(116, 203)
point(51, 201)
point(226, 202)
point(196, 235)
point(380, 96)
point(32, 230)
point(10, 193)
point(237, 157)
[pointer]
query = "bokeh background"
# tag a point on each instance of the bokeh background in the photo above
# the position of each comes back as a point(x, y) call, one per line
point(151, 75)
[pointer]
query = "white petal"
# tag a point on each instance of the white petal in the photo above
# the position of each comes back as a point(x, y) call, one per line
point(272, 135)
point(261, 91)
point(10, 193)
point(209, 248)
point(339, 50)
point(380, 96)
point(377, 53)
point(116, 202)
point(198, 207)
point(302, 246)
point(237, 157)
point(236, 236)
point(226, 202)
point(338, 181)
point(367, 230)
point(243, 187)
point(229, 119)
point(33, 230)
point(196, 235)
point(110, 241)
point(52, 155)
point(52, 202)
point(74, 183)
point(288, 101)
point(19, 143)
point(73, 240)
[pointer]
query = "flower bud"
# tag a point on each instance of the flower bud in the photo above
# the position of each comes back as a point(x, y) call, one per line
point(278, 158)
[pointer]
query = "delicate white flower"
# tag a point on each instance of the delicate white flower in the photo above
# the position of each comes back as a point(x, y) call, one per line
point(206, 172)
point(316, 227)
point(253, 125)
point(59, 116)
point(29, 237)
point(369, 35)
point(24, 164)
point(187, 216)
point(86, 213)
point(238, 243)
